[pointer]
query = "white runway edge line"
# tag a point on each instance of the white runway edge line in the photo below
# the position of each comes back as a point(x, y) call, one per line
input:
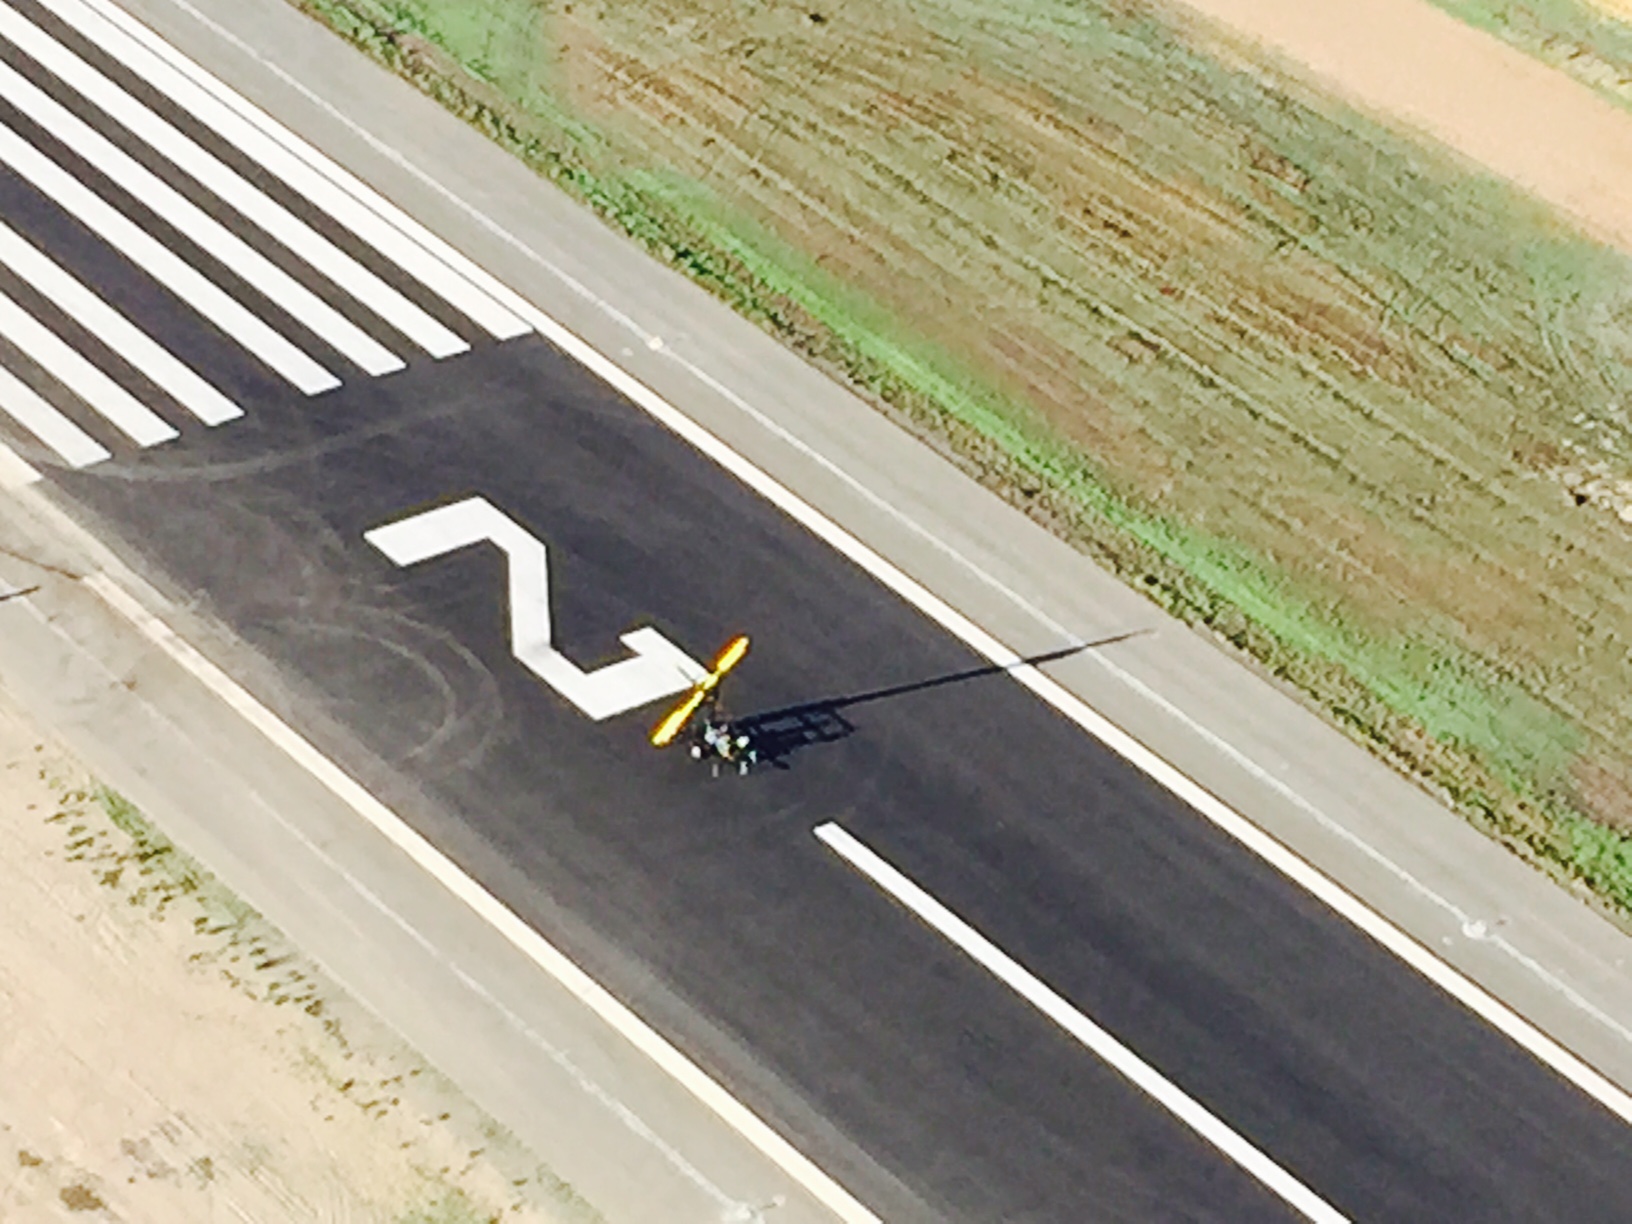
point(529, 942)
point(243, 260)
point(18, 401)
point(137, 246)
point(230, 186)
point(114, 330)
point(99, 392)
point(280, 152)
point(1033, 990)
point(1467, 992)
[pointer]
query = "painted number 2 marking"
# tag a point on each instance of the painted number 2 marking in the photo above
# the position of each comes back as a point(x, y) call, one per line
point(658, 669)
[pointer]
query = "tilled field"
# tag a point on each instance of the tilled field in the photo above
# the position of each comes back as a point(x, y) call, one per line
point(1358, 408)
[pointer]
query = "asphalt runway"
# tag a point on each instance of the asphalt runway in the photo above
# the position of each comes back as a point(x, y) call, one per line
point(710, 906)
point(924, 1085)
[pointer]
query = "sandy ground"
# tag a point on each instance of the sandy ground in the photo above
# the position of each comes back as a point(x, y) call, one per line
point(1410, 62)
point(166, 1057)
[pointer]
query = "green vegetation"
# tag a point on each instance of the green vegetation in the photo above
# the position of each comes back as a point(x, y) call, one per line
point(176, 873)
point(1303, 382)
point(451, 1206)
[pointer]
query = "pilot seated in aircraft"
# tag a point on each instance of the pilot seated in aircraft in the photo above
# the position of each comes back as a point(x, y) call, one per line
point(720, 741)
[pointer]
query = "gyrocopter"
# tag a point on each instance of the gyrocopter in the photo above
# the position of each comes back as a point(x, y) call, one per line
point(715, 738)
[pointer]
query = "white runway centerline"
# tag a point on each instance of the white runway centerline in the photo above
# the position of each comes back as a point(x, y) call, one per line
point(1123, 1060)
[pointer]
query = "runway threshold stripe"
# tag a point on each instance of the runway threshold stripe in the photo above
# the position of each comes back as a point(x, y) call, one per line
point(354, 205)
point(18, 401)
point(242, 259)
point(141, 249)
point(114, 330)
point(316, 250)
point(1055, 1007)
point(104, 396)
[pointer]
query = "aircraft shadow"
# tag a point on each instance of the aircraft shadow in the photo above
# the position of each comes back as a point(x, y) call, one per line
point(780, 733)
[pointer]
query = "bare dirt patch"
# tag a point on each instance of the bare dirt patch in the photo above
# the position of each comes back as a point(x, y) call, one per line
point(166, 1056)
point(1589, 40)
point(1519, 109)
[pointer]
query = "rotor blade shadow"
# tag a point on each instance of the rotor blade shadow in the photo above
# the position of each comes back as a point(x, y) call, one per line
point(777, 733)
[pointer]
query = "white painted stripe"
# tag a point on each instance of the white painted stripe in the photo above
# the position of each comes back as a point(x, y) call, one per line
point(183, 281)
point(230, 186)
point(1124, 1061)
point(1227, 819)
point(14, 472)
point(237, 255)
point(353, 204)
point(114, 330)
point(104, 396)
point(533, 945)
point(18, 401)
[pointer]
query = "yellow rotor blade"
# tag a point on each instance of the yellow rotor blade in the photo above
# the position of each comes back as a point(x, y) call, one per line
point(729, 658)
point(675, 722)
point(663, 734)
